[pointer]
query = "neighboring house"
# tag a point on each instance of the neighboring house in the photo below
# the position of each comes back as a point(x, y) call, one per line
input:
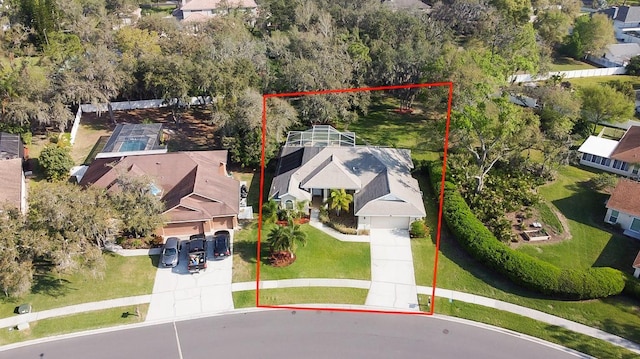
point(621, 157)
point(617, 55)
point(407, 5)
point(314, 162)
point(626, 22)
point(623, 207)
point(13, 189)
point(133, 140)
point(203, 10)
point(198, 193)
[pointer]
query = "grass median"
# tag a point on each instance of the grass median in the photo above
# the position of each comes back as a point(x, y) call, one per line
point(76, 323)
point(306, 295)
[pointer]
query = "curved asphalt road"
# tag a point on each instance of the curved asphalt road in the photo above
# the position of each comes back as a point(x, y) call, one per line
point(286, 334)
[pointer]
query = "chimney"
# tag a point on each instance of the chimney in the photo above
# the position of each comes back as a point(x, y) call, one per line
point(222, 169)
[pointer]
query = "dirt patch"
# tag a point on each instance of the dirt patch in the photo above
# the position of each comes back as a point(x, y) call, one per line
point(521, 222)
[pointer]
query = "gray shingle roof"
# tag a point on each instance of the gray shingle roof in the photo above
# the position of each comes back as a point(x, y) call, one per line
point(628, 14)
point(10, 146)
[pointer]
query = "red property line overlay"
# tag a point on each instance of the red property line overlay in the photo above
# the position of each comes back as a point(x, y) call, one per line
point(441, 197)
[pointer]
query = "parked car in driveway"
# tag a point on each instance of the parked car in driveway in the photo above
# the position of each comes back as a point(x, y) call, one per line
point(170, 252)
point(197, 253)
point(221, 244)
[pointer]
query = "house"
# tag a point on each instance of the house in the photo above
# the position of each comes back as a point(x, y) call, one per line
point(623, 207)
point(198, 194)
point(13, 189)
point(620, 157)
point(407, 5)
point(617, 55)
point(203, 10)
point(626, 22)
point(313, 162)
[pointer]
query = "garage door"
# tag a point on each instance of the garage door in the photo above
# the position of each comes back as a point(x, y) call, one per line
point(390, 222)
point(183, 229)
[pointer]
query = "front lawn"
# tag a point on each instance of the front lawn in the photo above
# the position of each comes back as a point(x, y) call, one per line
point(591, 244)
point(580, 342)
point(304, 295)
point(322, 257)
point(123, 277)
point(76, 323)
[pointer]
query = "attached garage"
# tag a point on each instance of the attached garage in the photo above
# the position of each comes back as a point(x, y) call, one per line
point(183, 229)
point(390, 222)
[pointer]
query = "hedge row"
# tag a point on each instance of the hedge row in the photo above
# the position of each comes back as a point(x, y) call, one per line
point(521, 268)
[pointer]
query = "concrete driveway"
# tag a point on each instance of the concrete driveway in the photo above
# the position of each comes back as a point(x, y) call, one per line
point(177, 293)
point(393, 282)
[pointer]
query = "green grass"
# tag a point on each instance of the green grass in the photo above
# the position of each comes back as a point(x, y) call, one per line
point(459, 271)
point(383, 126)
point(554, 334)
point(567, 64)
point(123, 277)
point(75, 323)
point(549, 217)
point(591, 244)
point(322, 257)
point(587, 81)
point(306, 295)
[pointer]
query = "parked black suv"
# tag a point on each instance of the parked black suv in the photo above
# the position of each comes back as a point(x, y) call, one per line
point(221, 244)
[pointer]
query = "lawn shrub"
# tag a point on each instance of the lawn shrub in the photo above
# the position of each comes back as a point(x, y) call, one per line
point(418, 229)
point(519, 267)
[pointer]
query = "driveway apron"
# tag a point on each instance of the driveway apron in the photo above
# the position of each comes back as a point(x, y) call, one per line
point(176, 293)
point(393, 283)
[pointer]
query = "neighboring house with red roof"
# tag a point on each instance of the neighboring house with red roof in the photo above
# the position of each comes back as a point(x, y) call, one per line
point(13, 188)
point(198, 193)
point(623, 207)
point(620, 157)
point(202, 10)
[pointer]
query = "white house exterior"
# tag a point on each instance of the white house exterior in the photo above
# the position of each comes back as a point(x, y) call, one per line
point(626, 22)
point(385, 195)
point(620, 157)
point(202, 10)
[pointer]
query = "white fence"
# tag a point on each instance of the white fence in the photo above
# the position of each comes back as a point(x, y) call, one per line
point(128, 105)
point(570, 74)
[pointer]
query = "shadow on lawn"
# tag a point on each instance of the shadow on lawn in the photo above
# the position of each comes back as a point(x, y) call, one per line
point(49, 285)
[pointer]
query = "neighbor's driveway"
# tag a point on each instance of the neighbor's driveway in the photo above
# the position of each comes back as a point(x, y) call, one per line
point(176, 293)
point(393, 282)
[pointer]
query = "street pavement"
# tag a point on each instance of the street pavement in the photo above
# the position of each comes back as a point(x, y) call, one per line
point(393, 283)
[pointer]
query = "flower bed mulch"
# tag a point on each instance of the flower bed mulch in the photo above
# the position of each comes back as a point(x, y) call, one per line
point(281, 259)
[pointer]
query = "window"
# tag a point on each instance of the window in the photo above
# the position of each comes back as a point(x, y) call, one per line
point(595, 159)
point(607, 162)
point(617, 164)
point(635, 170)
point(635, 225)
point(603, 161)
point(614, 216)
point(587, 156)
point(625, 166)
point(288, 204)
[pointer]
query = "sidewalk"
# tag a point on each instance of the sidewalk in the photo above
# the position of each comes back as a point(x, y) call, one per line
point(442, 294)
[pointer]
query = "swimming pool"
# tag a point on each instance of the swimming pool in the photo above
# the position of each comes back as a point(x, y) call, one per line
point(133, 145)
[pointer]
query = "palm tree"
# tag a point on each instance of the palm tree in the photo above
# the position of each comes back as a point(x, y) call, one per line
point(340, 200)
point(285, 238)
point(270, 211)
